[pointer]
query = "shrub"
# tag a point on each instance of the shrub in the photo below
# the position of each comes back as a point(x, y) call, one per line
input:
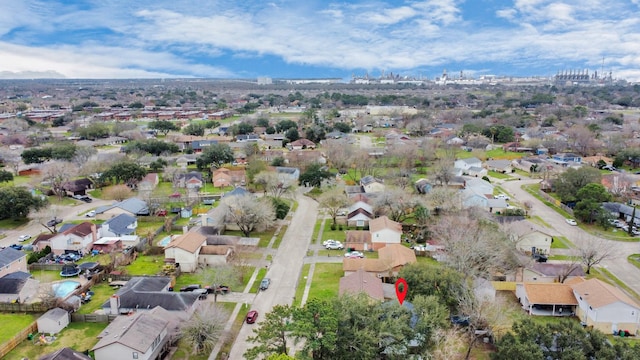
point(333, 227)
point(281, 208)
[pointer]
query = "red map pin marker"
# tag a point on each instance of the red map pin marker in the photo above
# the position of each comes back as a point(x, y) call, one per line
point(401, 293)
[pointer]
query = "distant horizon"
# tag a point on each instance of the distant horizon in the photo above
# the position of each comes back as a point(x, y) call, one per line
point(295, 39)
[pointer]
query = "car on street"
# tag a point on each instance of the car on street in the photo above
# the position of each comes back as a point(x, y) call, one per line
point(252, 316)
point(335, 246)
point(91, 213)
point(501, 196)
point(354, 254)
point(571, 222)
point(16, 246)
point(24, 237)
point(53, 222)
point(264, 284)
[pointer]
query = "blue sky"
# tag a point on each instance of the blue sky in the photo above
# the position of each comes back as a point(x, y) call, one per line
point(316, 38)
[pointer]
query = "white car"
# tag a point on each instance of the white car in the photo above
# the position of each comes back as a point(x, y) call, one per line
point(330, 241)
point(354, 254)
point(24, 237)
point(501, 196)
point(334, 246)
point(571, 222)
point(91, 213)
point(341, 213)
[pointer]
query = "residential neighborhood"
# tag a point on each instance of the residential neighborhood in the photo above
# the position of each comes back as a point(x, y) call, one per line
point(157, 231)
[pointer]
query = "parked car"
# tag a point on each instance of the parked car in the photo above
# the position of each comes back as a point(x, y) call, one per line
point(161, 212)
point(460, 320)
point(502, 196)
point(86, 199)
point(252, 316)
point(540, 258)
point(191, 287)
point(16, 246)
point(571, 222)
point(342, 212)
point(24, 237)
point(330, 241)
point(53, 222)
point(220, 289)
point(354, 254)
point(202, 293)
point(334, 246)
point(264, 284)
point(91, 213)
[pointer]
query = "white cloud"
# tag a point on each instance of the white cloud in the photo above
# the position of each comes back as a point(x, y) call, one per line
point(390, 16)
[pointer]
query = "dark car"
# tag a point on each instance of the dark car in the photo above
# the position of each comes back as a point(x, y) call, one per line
point(202, 293)
point(190, 288)
point(540, 258)
point(86, 199)
point(460, 320)
point(53, 222)
point(220, 289)
point(252, 316)
point(16, 246)
point(264, 284)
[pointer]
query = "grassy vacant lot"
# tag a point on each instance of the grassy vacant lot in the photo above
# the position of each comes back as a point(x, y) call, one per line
point(146, 265)
point(326, 278)
point(12, 324)
point(79, 336)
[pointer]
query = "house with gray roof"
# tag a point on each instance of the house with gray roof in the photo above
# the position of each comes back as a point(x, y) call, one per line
point(12, 260)
point(65, 354)
point(145, 293)
point(16, 287)
point(53, 321)
point(131, 206)
point(288, 173)
point(140, 336)
point(123, 224)
point(501, 166)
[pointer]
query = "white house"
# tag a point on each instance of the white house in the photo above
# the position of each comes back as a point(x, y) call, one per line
point(53, 321)
point(74, 238)
point(371, 185)
point(384, 231)
point(359, 214)
point(605, 307)
point(138, 336)
point(529, 238)
point(466, 164)
point(184, 250)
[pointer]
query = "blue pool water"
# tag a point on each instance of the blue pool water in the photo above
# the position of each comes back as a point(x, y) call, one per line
point(64, 288)
point(165, 241)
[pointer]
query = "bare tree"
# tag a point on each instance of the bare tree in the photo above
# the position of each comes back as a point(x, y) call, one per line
point(57, 173)
point(443, 171)
point(273, 185)
point(205, 328)
point(11, 159)
point(43, 216)
point(338, 152)
point(216, 276)
point(332, 201)
point(592, 251)
point(395, 203)
point(444, 199)
point(248, 212)
point(117, 192)
point(448, 344)
point(83, 154)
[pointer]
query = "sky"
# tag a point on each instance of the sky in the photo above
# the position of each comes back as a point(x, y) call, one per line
point(316, 38)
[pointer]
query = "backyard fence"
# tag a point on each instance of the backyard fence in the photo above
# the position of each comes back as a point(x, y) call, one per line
point(17, 339)
point(555, 202)
point(23, 308)
point(93, 318)
point(46, 267)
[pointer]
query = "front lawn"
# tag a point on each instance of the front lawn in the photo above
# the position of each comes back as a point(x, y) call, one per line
point(326, 280)
point(12, 324)
point(78, 336)
point(560, 242)
point(336, 234)
point(498, 175)
point(302, 283)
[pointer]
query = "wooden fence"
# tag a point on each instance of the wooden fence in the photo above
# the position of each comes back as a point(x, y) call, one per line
point(555, 202)
point(46, 267)
point(23, 308)
point(504, 285)
point(17, 339)
point(93, 318)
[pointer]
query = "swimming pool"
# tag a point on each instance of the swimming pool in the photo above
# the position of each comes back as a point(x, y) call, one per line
point(64, 288)
point(164, 242)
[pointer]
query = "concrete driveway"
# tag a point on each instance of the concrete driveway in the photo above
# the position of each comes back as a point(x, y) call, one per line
point(284, 270)
point(618, 266)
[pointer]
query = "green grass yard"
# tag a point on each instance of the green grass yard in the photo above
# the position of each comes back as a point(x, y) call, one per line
point(12, 324)
point(102, 293)
point(256, 284)
point(302, 282)
point(326, 278)
point(145, 265)
point(561, 242)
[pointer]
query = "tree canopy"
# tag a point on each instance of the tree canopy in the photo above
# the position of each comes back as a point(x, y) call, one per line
point(17, 202)
point(163, 126)
point(314, 175)
point(215, 155)
point(572, 180)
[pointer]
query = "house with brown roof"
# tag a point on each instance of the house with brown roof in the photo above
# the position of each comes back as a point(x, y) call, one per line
point(301, 144)
point(358, 240)
point(223, 177)
point(362, 282)
point(391, 259)
point(605, 307)
point(384, 231)
point(553, 299)
point(184, 250)
point(78, 238)
point(359, 214)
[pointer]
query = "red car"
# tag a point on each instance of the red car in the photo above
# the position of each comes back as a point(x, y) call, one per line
point(161, 212)
point(252, 316)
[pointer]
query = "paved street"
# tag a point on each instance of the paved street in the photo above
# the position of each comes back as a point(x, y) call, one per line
point(618, 266)
point(284, 270)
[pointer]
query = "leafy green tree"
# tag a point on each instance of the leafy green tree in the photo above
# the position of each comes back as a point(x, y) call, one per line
point(215, 155)
point(163, 126)
point(136, 105)
point(278, 161)
point(292, 134)
point(271, 335)
point(158, 165)
point(94, 131)
point(572, 180)
point(317, 325)
point(591, 197)
point(17, 202)
point(315, 133)
point(5, 176)
point(263, 122)
point(36, 155)
point(244, 128)
point(499, 133)
point(433, 280)
point(280, 207)
point(342, 127)
point(64, 151)
point(194, 129)
point(126, 172)
point(314, 175)
point(284, 125)
point(152, 146)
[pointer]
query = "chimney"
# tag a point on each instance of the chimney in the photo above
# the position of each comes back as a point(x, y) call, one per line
point(114, 302)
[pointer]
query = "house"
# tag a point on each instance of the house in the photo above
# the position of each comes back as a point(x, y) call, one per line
point(77, 238)
point(184, 250)
point(12, 260)
point(77, 187)
point(301, 144)
point(108, 244)
point(65, 354)
point(19, 287)
point(530, 238)
point(371, 184)
point(362, 282)
point(391, 259)
point(359, 214)
point(423, 186)
point(131, 206)
point(359, 240)
point(352, 190)
point(190, 180)
point(288, 174)
point(553, 299)
point(149, 182)
point(145, 293)
point(384, 231)
point(549, 273)
point(566, 158)
point(605, 307)
point(186, 212)
point(466, 164)
point(501, 166)
point(53, 321)
point(123, 224)
point(138, 336)
point(224, 177)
